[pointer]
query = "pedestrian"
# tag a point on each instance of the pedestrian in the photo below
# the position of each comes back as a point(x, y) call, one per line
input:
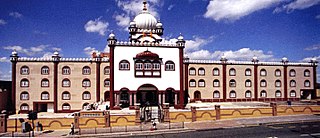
point(72, 129)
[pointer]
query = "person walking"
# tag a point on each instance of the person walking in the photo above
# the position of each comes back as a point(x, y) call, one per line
point(72, 129)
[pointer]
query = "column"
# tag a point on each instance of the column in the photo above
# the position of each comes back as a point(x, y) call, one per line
point(13, 88)
point(98, 79)
point(159, 98)
point(163, 98)
point(175, 98)
point(130, 99)
point(285, 82)
point(135, 99)
point(255, 82)
point(224, 81)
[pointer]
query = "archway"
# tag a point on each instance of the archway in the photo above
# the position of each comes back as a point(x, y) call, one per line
point(147, 94)
point(170, 96)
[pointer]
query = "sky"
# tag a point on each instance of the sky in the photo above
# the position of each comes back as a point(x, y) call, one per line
point(238, 29)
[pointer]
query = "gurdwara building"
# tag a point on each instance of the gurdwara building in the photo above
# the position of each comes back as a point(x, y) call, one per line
point(145, 70)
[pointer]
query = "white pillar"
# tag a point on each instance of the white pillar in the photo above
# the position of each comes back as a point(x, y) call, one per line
point(175, 99)
point(130, 99)
point(135, 99)
point(163, 98)
point(159, 98)
point(118, 99)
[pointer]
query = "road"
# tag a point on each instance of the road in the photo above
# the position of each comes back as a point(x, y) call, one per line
point(291, 130)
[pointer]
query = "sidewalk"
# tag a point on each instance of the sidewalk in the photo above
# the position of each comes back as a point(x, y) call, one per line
point(144, 129)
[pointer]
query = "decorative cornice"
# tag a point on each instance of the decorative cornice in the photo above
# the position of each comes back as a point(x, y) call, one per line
point(163, 44)
point(33, 59)
point(248, 63)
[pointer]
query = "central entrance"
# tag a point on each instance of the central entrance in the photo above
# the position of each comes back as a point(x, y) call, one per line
point(147, 94)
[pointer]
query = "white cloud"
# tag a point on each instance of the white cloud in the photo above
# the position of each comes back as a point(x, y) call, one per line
point(39, 32)
point(2, 22)
point(4, 59)
point(89, 50)
point(170, 7)
point(96, 26)
point(296, 5)
point(197, 43)
point(28, 51)
point(15, 14)
point(106, 49)
point(122, 20)
point(232, 10)
point(313, 47)
point(5, 76)
point(308, 59)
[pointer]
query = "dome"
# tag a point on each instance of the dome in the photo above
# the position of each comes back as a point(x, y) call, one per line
point(145, 20)
point(147, 55)
point(132, 24)
point(159, 25)
point(14, 52)
point(111, 35)
point(180, 37)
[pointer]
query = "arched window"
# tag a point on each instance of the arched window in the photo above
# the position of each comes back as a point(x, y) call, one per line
point(147, 65)
point(263, 94)
point(124, 65)
point(232, 94)
point(192, 71)
point(139, 65)
point(292, 83)
point(24, 96)
point(201, 71)
point(201, 83)
point(86, 70)
point(66, 96)
point(124, 96)
point(293, 93)
point(44, 96)
point(248, 94)
point(248, 83)
point(306, 73)
point(248, 72)
point(156, 65)
point(232, 72)
point(263, 83)
point(215, 72)
point(107, 70)
point(66, 107)
point(24, 70)
point(277, 73)
point(44, 83)
point(216, 83)
point(66, 70)
point(66, 83)
point(45, 70)
point(24, 107)
point(169, 66)
point(232, 83)
point(86, 83)
point(24, 83)
point(263, 72)
point(86, 95)
point(192, 83)
point(292, 73)
point(106, 83)
point(278, 93)
point(306, 83)
point(216, 94)
point(278, 83)
point(197, 95)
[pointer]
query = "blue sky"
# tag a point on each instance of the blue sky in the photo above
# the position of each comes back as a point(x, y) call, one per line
point(239, 29)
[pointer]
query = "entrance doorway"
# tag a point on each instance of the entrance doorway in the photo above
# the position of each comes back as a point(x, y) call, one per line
point(306, 94)
point(147, 95)
point(170, 97)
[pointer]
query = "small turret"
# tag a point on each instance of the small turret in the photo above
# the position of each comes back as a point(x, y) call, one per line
point(56, 57)
point(112, 39)
point(14, 56)
point(284, 60)
point(255, 59)
point(223, 59)
point(181, 42)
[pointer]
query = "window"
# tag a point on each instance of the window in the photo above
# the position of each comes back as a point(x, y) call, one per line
point(201, 83)
point(86, 95)
point(139, 66)
point(66, 106)
point(24, 70)
point(248, 83)
point(156, 66)
point(66, 83)
point(106, 83)
point(24, 83)
point(192, 83)
point(232, 72)
point(147, 66)
point(232, 94)
point(307, 73)
point(106, 70)
point(86, 83)
point(192, 71)
point(292, 83)
point(216, 94)
point(66, 70)
point(216, 83)
point(66, 96)
point(24, 107)
point(277, 73)
point(169, 66)
point(124, 65)
point(292, 73)
point(24, 96)
point(45, 70)
point(263, 94)
point(307, 83)
point(292, 93)
point(263, 72)
point(248, 72)
point(86, 70)
point(278, 83)
point(44, 83)
point(248, 94)
point(216, 72)
point(44, 96)
point(201, 72)
point(263, 83)
point(278, 93)
point(197, 95)
point(232, 83)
